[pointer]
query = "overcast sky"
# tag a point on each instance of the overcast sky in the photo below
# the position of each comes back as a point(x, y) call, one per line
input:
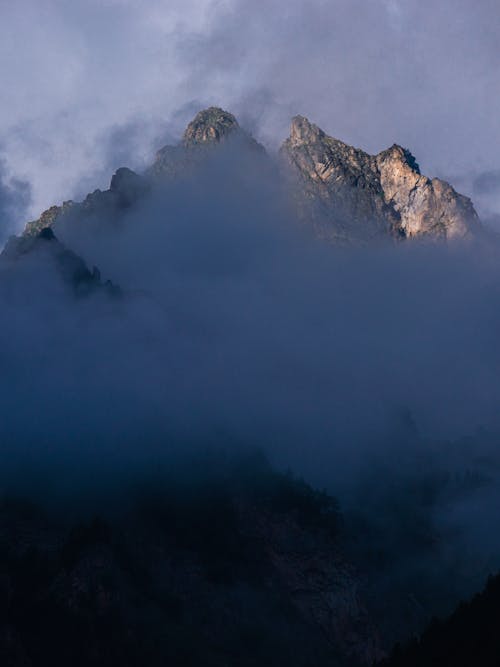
point(89, 85)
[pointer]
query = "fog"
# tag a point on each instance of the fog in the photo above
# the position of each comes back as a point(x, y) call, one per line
point(371, 372)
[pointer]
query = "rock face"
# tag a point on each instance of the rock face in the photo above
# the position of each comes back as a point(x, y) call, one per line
point(345, 193)
point(426, 207)
point(338, 186)
point(351, 195)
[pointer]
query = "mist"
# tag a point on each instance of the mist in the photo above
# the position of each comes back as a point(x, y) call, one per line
point(371, 372)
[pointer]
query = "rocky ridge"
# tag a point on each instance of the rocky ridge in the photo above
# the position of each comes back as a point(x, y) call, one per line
point(345, 193)
point(351, 195)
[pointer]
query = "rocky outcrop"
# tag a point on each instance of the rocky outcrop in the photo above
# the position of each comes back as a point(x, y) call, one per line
point(47, 219)
point(427, 207)
point(351, 195)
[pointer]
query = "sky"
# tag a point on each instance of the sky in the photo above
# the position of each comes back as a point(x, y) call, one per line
point(91, 85)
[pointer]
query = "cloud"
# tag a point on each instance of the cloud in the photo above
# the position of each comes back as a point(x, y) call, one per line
point(371, 73)
point(487, 183)
point(14, 200)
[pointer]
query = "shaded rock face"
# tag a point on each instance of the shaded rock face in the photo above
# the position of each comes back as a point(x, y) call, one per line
point(351, 195)
point(345, 193)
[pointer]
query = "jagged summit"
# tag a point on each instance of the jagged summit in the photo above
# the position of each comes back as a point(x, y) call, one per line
point(349, 194)
point(210, 125)
point(403, 154)
point(337, 187)
point(344, 192)
point(209, 129)
point(301, 130)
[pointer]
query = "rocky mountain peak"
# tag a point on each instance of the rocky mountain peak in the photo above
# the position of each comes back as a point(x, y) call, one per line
point(351, 195)
point(403, 155)
point(302, 130)
point(210, 128)
point(211, 125)
point(337, 186)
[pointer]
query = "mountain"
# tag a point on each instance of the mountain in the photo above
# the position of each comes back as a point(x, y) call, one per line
point(345, 193)
point(351, 195)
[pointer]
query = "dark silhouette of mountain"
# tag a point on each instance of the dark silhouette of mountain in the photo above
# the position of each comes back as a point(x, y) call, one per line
point(468, 638)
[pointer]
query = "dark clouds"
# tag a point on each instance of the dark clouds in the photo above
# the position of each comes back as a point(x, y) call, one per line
point(371, 73)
